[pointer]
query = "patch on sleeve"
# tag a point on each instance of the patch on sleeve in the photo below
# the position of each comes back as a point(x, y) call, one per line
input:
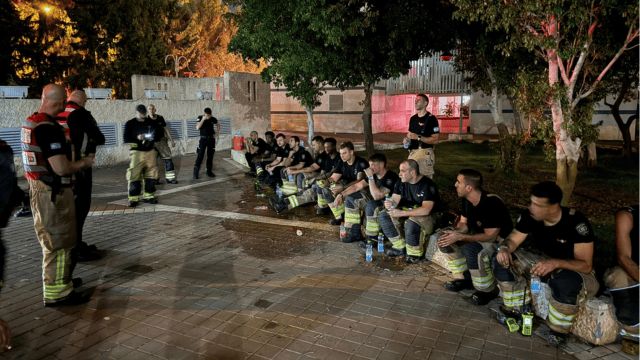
point(362, 165)
point(436, 129)
point(389, 182)
point(25, 136)
point(582, 229)
point(56, 146)
point(303, 156)
point(29, 158)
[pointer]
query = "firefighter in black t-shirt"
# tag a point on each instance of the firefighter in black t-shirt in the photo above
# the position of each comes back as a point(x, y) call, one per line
point(410, 215)
point(484, 222)
point(207, 144)
point(622, 280)
point(268, 156)
point(142, 132)
point(300, 158)
point(272, 170)
point(565, 239)
point(48, 163)
point(256, 147)
point(348, 172)
point(162, 145)
point(358, 196)
point(303, 174)
point(423, 136)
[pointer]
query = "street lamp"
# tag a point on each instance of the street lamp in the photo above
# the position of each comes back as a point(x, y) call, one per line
point(176, 61)
point(47, 9)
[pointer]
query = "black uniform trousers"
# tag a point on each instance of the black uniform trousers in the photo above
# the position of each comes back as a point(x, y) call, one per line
point(208, 144)
point(82, 200)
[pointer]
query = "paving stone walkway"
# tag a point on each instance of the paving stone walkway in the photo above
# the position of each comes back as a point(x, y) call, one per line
point(204, 276)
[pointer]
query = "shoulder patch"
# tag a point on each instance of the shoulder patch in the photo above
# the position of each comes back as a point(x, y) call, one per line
point(433, 189)
point(362, 164)
point(56, 146)
point(582, 229)
point(389, 182)
point(303, 156)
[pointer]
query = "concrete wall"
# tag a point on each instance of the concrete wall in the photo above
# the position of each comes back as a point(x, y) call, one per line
point(481, 121)
point(178, 88)
point(245, 115)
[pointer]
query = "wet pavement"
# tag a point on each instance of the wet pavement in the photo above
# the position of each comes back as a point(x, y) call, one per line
point(202, 275)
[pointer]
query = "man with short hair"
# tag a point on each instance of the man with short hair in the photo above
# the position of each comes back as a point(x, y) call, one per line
point(207, 144)
point(423, 136)
point(282, 153)
point(317, 182)
point(411, 212)
point(300, 158)
point(162, 145)
point(255, 148)
point(348, 172)
point(622, 280)
point(565, 239)
point(484, 222)
point(141, 132)
point(304, 174)
point(367, 195)
point(85, 136)
point(48, 165)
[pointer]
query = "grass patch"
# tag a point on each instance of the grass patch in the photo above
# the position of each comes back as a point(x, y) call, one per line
point(598, 193)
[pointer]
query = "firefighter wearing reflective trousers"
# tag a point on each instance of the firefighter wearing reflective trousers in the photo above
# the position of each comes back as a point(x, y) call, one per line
point(141, 132)
point(309, 194)
point(367, 195)
point(423, 136)
point(300, 158)
point(162, 145)
point(484, 222)
point(83, 132)
point(49, 166)
point(564, 239)
point(622, 280)
point(349, 171)
point(411, 213)
point(303, 173)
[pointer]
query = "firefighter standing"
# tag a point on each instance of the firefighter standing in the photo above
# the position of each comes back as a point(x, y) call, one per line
point(422, 137)
point(207, 144)
point(48, 164)
point(141, 132)
point(83, 132)
point(162, 145)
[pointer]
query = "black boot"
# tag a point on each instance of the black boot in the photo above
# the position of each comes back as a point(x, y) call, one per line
point(196, 170)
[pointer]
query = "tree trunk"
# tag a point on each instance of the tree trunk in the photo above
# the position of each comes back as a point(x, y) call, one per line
point(366, 119)
point(517, 119)
point(592, 155)
point(495, 106)
point(566, 173)
point(311, 128)
point(615, 112)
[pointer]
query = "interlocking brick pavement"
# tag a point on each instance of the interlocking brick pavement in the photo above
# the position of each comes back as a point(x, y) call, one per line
point(204, 276)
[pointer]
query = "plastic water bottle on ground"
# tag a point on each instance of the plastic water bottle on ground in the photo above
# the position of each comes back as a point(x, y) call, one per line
point(369, 252)
point(279, 192)
point(261, 208)
point(261, 195)
point(536, 289)
point(343, 231)
point(291, 177)
point(380, 243)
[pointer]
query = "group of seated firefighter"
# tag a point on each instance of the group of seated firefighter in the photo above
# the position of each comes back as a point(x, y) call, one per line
point(483, 248)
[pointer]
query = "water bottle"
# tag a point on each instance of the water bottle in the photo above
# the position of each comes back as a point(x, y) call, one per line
point(406, 146)
point(380, 243)
point(290, 177)
point(261, 195)
point(263, 207)
point(388, 198)
point(536, 289)
point(343, 231)
point(369, 252)
point(279, 192)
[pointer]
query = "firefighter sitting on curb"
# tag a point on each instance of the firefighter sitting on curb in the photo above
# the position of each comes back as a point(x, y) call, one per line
point(256, 147)
point(272, 170)
point(268, 156)
point(141, 132)
point(162, 145)
point(410, 213)
point(300, 158)
point(302, 172)
point(310, 194)
point(367, 195)
point(349, 171)
point(622, 280)
point(565, 239)
point(484, 222)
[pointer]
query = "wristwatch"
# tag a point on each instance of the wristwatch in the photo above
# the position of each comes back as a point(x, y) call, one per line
point(419, 138)
point(503, 247)
point(370, 178)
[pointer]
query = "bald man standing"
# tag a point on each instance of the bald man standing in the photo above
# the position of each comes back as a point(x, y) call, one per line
point(49, 165)
point(82, 129)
